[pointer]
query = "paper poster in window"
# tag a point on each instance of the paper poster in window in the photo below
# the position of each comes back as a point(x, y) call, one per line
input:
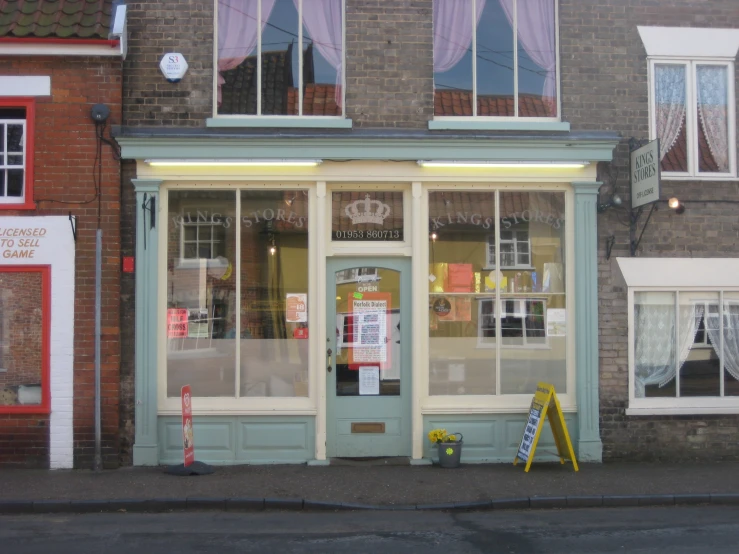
point(459, 278)
point(556, 322)
point(296, 308)
point(463, 308)
point(370, 325)
point(369, 380)
point(197, 323)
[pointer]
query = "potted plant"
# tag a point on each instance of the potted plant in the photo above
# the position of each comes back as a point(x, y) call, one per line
point(449, 446)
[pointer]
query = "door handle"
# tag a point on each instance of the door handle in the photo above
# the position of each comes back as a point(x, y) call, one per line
point(328, 353)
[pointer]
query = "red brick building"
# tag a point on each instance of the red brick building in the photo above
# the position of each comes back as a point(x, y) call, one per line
point(60, 183)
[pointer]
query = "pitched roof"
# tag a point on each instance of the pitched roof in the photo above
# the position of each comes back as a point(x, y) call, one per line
point(55, 18)
point(459, 103)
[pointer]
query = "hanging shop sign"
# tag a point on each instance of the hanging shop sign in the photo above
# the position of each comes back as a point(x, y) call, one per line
point(545, 405)
point(188, 440)
point(645, 174)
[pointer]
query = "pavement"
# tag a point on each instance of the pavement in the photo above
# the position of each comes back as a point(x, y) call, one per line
point(378, 485)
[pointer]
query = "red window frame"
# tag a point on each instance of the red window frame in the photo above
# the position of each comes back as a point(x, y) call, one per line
point(45, 406)
point(29, 103)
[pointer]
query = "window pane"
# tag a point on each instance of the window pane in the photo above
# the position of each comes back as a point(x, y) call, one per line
point(654, 344)
point(537, 59)
point(670, 116)
point(713, 129)
point(15, 160)
point(237, 57)
point(15, 138)
point(453, 26)
point(367, 216)
point(462, 327)
point(730, 350)
point(21, 332)
point(700, 368)
point(201, 295)
point(495, 62)
point(274, 264)
point(533, 321)
point(322, 57)
point(279, 58)
point(15, 183)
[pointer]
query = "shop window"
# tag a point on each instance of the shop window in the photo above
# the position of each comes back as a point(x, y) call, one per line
point(485, 284)
point(24, 339)
point(280, 57)
point(692, 111)
point(16, 153)
point(237, 293)
point(495, 58)
point(685, 346)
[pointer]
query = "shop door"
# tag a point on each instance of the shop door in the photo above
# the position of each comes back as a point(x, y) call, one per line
point(368, 358)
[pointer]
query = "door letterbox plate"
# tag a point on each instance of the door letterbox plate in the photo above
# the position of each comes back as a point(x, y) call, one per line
point(368, 427)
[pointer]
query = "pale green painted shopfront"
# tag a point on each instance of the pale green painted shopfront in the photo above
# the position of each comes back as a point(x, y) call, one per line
point(338, 294)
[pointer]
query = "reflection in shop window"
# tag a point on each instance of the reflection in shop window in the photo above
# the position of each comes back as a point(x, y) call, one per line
point(237, 316)
point(483, 286)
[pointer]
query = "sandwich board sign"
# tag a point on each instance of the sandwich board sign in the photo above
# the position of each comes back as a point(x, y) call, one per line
point(545, 405)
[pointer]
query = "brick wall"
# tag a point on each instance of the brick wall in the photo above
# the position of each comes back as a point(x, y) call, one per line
point(604, 86)
point(22, 328)
point(65, 152)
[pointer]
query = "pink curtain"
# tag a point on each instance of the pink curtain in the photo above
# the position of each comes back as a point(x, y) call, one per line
point(453, 31)
point(237, 32)
point(537, 34)
point(323, 19)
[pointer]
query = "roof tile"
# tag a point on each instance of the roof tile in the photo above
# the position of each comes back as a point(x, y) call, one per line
point(55, 18)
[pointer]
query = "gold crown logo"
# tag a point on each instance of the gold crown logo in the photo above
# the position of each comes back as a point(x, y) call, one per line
point(367, 211)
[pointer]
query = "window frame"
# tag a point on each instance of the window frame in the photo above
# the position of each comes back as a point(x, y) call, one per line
point(691, 115)
point(45, 406)
point(515, 241)
point(298, 119)
point(24, 202)
point(692, 405)
point(517, 118)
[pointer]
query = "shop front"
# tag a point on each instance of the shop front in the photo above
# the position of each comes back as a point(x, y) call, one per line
point(342, 303)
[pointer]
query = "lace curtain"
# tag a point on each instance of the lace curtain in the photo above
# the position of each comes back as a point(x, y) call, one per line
point(731, 337)
point(536, 33)
point(655, 342)
point(453, 31)
point(669, 92)
point(713, 109)
point(238, 32)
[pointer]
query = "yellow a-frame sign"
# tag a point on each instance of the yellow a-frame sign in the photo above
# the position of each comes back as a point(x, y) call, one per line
point(545, 404)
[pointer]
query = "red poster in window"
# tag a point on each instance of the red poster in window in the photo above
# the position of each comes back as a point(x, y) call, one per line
point(459, 278)
point(369, 329)
point(176, 323)
point(187, 435)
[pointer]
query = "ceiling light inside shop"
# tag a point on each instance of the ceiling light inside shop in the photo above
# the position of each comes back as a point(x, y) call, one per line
point(231, 163)
point(505, 164)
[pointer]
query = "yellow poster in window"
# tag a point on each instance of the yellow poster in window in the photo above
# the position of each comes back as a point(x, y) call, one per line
point(545, 405)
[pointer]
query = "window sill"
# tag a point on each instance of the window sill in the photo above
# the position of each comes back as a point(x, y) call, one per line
point(305, 122)
point(452, 124)
point(27, 205)
point(677, 410)
point(35, 409)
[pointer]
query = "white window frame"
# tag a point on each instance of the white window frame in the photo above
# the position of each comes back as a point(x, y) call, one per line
point(515, 117)
point(710, 275)
point(490, 260)
point(491, 342)
point(300, 114)
point(691, 115)
point(4, 154)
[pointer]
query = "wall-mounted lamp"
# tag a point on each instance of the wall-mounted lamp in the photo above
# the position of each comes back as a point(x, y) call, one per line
point(175, 162)
point(676, 205)
point(289, 201)
point(614, 202)
point(504, 164)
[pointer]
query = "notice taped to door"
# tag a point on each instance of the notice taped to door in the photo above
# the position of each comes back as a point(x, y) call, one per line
point(545, 405)
point(370, 325)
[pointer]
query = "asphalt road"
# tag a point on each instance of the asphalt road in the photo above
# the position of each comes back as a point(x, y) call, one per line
point(678, 530)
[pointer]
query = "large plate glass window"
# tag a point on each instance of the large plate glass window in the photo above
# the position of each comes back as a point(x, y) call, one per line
point(497, 302)
point(237, 293)
point(495, 58)
point(280, 57)
point(693, 117)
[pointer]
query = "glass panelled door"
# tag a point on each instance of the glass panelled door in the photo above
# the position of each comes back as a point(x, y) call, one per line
point(368, 358)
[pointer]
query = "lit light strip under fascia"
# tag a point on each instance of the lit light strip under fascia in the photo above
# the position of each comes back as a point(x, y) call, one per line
point(461, 163)
point(232, 163)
